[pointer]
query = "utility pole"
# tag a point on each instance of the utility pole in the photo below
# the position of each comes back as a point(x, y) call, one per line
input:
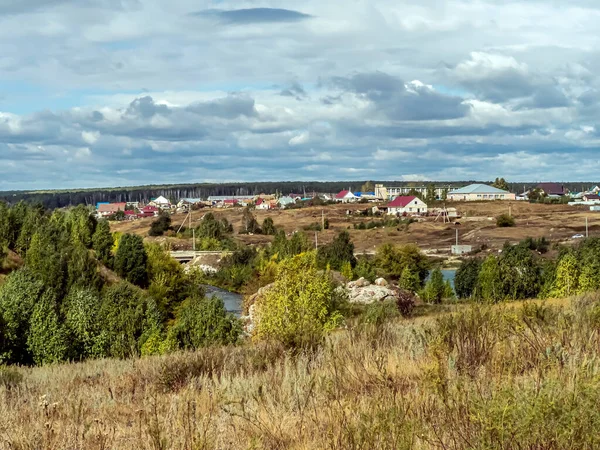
point(316, 241)
point(586, 228)
point(193, 232)
point(510, 210)
point(322, 220)
point(457, 236)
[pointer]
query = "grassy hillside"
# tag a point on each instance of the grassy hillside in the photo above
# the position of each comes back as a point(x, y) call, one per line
point(523, 376)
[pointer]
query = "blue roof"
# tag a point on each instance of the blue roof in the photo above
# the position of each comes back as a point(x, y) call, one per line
point(478, 189)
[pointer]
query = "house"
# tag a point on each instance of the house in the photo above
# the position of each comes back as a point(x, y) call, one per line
point(407, 205)
point(108, 209)
point(346, 197)
point(149, 211)
point(286, 200)
point(230, 202)
point(552, 189)
point(262, 204)
point(130, 215)
point(161, 202)
point(591, 198)
point(479, 192)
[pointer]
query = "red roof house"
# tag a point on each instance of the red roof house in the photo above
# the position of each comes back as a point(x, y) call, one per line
point(407, 205)
point(345, 197)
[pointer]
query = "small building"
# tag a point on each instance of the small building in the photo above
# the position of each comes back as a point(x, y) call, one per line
point(161, 202)
point(346, 197)
point(479, 192)
point(461, 249)
point(407, 205)
point(591, 198)
point(148, 211)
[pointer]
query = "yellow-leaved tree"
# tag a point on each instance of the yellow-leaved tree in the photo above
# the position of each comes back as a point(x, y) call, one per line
point(300, 307)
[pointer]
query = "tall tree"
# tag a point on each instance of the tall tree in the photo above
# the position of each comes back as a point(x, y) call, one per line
point(102, 243)
point(500, 183)
point(465, 280)
point(130, 260)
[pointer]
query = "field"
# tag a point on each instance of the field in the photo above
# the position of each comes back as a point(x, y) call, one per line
point(477, 225)
point(502, 377)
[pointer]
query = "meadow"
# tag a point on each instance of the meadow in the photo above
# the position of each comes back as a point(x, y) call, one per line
point(521, 375)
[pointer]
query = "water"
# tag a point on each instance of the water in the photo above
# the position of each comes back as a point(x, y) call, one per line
point(232, 301)
point(448, 274)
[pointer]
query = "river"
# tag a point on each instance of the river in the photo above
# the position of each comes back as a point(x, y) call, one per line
point(232, 301)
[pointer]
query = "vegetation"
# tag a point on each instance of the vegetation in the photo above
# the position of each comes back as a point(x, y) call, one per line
point(505, 220)
point(161, 225)
point(500, 183)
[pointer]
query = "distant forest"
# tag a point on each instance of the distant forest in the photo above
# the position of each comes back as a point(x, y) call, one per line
point(62, 198)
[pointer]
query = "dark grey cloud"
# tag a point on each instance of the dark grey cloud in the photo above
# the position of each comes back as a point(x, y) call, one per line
point(254, 15)
point(294, 90)
point(401, 101)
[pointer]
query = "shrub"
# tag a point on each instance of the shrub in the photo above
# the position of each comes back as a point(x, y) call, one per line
point(130, 260)
point(405, 302)
point(268, 227)
point(435, 288)
point(336, 254)
point(202, 321)
point(394, 259)
point(504, 220)
point(365, 268)
point(160, 225)
point(300, 307)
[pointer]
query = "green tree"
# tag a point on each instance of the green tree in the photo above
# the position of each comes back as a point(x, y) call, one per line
point(489, 282)
point(367, 187)
point(435, 288)
point(393, 260)
point(81, 312)
point(445, 194)
point(300, 306)
point(130, 260)
point(81, 225)
point(500, 183)
point(122, 313)
point(519, 272)
point(249, 223)
point(337, 253)
point(268, 227)
point(18, 296)
point(159, 226)
point(430, 196)
point(102, 243)
point(47, 340)
point(202, 321)
point(567, 276)
point(365, 268)
point(409, 279)
point(168, 284)
point(465, 280)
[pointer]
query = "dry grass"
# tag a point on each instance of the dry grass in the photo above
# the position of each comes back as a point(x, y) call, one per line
point(459, 382)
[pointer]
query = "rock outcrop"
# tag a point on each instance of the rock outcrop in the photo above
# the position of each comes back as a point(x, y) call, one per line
point(363, 292)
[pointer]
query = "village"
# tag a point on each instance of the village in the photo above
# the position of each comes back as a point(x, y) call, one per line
point(390, 200)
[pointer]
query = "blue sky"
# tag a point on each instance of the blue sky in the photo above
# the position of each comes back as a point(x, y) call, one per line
point(106, 92)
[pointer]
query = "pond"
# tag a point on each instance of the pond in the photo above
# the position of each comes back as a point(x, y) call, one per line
point(448, 274)
point(232, 300)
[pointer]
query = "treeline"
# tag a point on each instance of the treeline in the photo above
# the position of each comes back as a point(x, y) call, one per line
point(64, 198)
point(65, 302)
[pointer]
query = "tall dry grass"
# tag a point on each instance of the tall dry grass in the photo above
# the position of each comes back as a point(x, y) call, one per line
point(483, 378)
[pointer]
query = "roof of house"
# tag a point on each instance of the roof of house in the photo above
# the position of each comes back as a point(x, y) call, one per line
point(231, 201)
point(592, 196)
point(401, 201)
point(162, 200)
point(343, 194)
point(478, 189)
point(150, 208)
point(552, 188)
point(111, 207)
point(259, 201)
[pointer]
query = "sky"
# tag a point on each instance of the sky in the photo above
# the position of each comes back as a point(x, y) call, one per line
point(99, 93)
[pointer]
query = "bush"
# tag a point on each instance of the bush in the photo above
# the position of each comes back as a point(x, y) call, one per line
point(300, 307)
point(465, 280)
point(130, 260)
point(504, 220)
point(268, 227)
point(160, 225)
point(202, 321)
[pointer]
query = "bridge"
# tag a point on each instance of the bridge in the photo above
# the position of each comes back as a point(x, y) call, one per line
point(185, 256)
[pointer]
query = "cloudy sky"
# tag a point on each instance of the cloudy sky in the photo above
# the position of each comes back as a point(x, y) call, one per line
point(123, 92)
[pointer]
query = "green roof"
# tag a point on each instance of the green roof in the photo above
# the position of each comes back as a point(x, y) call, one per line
point(478, 189)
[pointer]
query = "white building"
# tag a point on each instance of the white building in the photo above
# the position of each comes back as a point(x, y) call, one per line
point(346, 197)
point(407, 205)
